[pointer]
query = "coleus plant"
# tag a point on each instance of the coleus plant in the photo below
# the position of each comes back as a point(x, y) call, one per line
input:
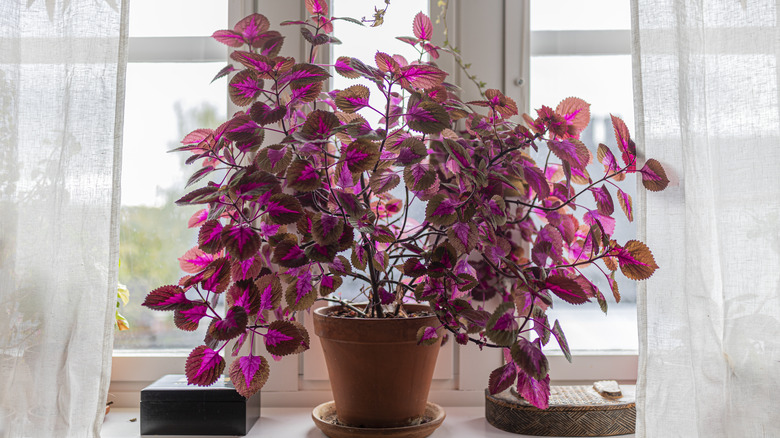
point(285, 221)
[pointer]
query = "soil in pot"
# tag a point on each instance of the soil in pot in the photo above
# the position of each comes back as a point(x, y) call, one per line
point(379, 375)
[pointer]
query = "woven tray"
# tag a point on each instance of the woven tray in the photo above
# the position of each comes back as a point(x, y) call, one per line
point(573, 411)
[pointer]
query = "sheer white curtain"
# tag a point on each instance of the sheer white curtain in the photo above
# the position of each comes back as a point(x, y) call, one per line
point(62, 65)
point(706, 82)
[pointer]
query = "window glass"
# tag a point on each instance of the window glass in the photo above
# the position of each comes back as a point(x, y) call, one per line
point(604, 81)
point(580, 15)
point(150, 18)
point(164, 102)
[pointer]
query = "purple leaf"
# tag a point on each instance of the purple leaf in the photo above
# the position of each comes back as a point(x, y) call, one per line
point(654, 176)
point(303, 74)
point(343, 68)
point(229, 38)
point(283, 209)
point(549, 243)
point(252, 28)
point(187, 319)
point(386, 63)
point(570, 151)
point(421, 76)
point(168, 297)
point(422, 27)
point(195, 260)
point(561, 338)
point(244, 293)
point(224, 72)
point(300, 295)
point(566, 289)
point(463, 236)
point(249, 374)
point(427, 117)
point(625, 143)
point(286, 337)
point(361, 155)
point(231, 326)
point(536, 392)
point(603, 200)
point(302, 176)
point(270, 290)
point(530, 358)
point(204, 366)
point(240, 240)
point(352, 98)
point(441, 210)
point(535, 178)
point(502, 378)
point(427, 336)
point(288, 254)
point(624, 199)
point(419, 177)
point(244, 87)
point(501, 337)
point(216, 276)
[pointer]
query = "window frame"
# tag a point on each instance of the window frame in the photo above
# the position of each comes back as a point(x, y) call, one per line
point(461, 379)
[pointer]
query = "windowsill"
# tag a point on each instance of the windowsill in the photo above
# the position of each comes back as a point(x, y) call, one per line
point(461, 422)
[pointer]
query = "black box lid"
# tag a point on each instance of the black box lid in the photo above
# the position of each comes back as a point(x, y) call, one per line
point(174, 387)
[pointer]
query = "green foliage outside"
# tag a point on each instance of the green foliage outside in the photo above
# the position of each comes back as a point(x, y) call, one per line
point(151, 239)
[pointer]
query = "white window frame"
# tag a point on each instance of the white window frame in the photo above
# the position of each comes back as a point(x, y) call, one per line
point(462, 372)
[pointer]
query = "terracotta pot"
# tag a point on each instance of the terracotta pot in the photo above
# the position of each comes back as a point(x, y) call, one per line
point(380, 377)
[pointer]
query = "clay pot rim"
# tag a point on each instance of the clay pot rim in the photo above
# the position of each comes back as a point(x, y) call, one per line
point(324, 312)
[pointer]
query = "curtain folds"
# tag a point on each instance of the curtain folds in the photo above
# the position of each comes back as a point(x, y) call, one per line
point(706, 86)
point(62, 67)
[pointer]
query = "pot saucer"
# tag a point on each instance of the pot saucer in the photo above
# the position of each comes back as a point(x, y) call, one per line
point(324, 417)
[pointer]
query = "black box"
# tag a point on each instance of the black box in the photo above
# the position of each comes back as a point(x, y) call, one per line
point(171, 407)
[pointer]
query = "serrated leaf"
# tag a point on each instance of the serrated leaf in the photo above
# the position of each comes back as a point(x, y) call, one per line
point(570, 151)
point(240, 240)
point(411, 151)
point(283, 209)
point(413, 268)
point(530, 358)
point(603, 199)
point(548, 244)
point(419, 177)
point(654, 176)
point(576, 112)
point(361, 155)
point(300, 295)
point(383, 180)
point(557, 331)
point(210, 237)
point(303, 74)
point(353, 98)
point(249, 374)
point(386, 63)
point(624, 199)
point(319, 126)
point(441, 211)
point(536, 392)
point(303, 176)
point(427, 336)
point(626, 145)
point(203, 366)
point(252, 27)
point(422, 27)
point(502, 378)
point(329, 284)
point(288, 254)
point(342, 67)
point(536, 180)
point(232, 325)
point(504, 338)
point(327, 229)
point(244, 293)
point(203, 195)
point(244, 87)
point(263, 114)
point(226, 70)
point(636, 261)
point(229, 38)
point(566, 289)
point(169, 297)
point(274, 158)
point(359, 258)
point(427, 117)
point(286, 337)
point(421, 76)
point(270, 292)
point(321, 253)
point(463, 236)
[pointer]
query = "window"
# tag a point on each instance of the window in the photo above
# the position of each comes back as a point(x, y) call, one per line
point(164, 101)
point(162, 106)
point(582, 49)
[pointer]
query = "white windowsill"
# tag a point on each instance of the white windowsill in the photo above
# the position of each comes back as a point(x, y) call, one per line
point(461, 422)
